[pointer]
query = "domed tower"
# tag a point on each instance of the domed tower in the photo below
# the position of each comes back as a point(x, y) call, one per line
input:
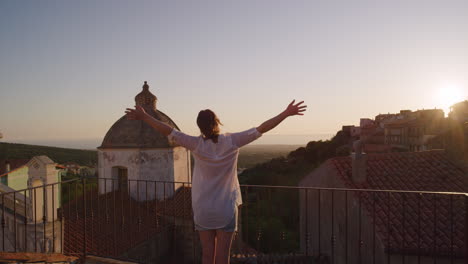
point(133, 156)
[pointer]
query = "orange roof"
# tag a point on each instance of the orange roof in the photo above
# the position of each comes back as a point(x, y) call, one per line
point(116, 223)
point(15, 164)
point(396, 215)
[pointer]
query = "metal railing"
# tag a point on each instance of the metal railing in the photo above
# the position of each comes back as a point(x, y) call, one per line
point(152, 222)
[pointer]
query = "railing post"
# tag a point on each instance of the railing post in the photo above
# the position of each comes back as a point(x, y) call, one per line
point(25, 223)
point(332, 238)
point(466, 228)
point(53, 219)
point(35, 219)
point(319, 221)
point(114, 216)
point(3, 222)
point(44, 218)
point(346, 227)
point(83, 181)
point(306, 225)
point(61, 216)
point(434, 238)
point(14, 222)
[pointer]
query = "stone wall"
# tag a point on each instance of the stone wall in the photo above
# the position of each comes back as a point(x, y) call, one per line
point(333, 230)
point(30, 237)
point(161, 165)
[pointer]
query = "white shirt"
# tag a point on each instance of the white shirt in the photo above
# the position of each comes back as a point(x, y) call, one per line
point(215, 186)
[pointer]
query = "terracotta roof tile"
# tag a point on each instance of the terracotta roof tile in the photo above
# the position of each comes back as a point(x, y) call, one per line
point(112, 232)
point(14, 164)
point(116, 223)
point(410, 222)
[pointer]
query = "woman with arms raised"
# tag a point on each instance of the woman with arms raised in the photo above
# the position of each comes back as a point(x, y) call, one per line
point(215, 187)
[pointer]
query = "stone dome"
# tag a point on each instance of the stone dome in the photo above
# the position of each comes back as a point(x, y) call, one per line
point(135, 133)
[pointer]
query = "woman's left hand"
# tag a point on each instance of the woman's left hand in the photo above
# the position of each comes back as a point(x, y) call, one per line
point(135, 114)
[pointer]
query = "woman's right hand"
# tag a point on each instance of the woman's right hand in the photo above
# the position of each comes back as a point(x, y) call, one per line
point(295, 109)
point(291, 110)
point(135, 114)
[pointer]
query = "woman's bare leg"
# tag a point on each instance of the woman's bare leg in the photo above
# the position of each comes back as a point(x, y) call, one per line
point(208, 241)
point(223, 246)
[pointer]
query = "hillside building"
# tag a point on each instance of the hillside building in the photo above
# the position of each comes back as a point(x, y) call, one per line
point(459, 112)
point(404, 131)
point(413, 130)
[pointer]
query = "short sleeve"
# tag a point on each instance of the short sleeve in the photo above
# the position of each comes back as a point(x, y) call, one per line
point(184, 140)
point(241, 139)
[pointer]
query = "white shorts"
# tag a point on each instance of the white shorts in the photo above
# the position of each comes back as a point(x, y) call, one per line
point(230, 227)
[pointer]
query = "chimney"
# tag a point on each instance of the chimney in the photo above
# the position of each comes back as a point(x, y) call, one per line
point(7, 166)
point(358, 163)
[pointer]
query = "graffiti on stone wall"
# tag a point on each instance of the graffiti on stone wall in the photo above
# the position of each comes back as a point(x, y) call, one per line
point(143, 157)
point(108, 157)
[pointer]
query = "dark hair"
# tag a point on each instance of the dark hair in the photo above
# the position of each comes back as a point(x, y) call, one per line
point(208, 123)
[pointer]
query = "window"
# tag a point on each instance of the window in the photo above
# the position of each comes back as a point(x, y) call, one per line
point(4, 179)
point(122, 174)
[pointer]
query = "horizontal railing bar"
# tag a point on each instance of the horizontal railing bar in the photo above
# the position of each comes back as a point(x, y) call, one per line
point(312, 188)
point(255, 186)
point(355, 190)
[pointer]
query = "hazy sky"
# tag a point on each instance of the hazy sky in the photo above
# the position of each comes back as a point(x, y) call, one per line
point(68, 69)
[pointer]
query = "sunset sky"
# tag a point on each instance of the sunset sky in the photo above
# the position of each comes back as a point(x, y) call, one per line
point(68, 69)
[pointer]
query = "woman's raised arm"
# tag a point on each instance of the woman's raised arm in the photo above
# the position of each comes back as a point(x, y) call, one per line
point(291, 110)
point(140, 114)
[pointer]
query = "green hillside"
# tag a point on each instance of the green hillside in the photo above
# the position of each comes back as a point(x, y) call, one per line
point(290, 168)
point(59, 155)
point(252, 155)
point(283, 203)
point(249, 155)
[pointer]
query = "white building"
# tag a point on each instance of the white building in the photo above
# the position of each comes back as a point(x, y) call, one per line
point(132, 152)
point(29, 205)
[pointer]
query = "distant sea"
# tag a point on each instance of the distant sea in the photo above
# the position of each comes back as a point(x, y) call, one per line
point(94, 143)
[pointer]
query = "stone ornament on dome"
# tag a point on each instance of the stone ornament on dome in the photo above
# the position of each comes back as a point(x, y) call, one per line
point(135, 134)
point(146, 99)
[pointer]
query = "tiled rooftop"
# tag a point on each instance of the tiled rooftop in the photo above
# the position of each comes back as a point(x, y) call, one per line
point(412, 223)
point(112, 232)
point(116, 223)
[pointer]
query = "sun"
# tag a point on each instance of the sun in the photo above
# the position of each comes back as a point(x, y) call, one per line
point(449, 95)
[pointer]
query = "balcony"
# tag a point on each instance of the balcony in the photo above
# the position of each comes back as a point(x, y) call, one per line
point(149, 223)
